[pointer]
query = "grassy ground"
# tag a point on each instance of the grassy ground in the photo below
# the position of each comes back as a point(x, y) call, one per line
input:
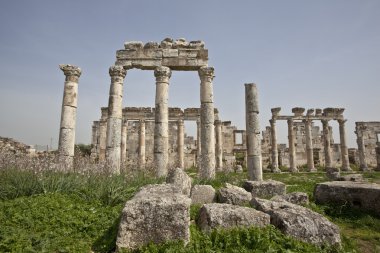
point(53, 212)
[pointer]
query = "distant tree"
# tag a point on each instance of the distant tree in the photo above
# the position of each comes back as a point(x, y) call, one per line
point(83, 149)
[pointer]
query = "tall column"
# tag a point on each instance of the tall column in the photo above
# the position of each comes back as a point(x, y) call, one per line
point(142, 144)
point(292, 149)
point(361, 151)
point(199, 153)
point(68, 116)
point(274, 149)
point(103, 134)
point(124, 130)
point(207, 165)
point(327, 143)
point(377, 156)
point(180, 144)
point(161, 126)
point(254, 159)
point(94, 140)
point(218, 145)
point(343, 146)
point(115, 117)
point(309, 146)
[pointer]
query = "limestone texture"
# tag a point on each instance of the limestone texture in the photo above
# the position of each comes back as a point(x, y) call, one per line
point(202, 194)
point(265, 189)
point(231, 194)
point(180, 179)
point(298, 198)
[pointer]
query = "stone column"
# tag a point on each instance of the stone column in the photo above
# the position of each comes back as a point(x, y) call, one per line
point(115, 117)
point(180, 144)
point(309, 146)
point(218, 145)
point(124, 130)
point(68, 116)
point(199, 153)
point(94, 140)
point(254, 159)
point(343, 146)
point(103, 134)
point(292, 148)
point(378, 156)
point(142, 144)
point(207, 165)
point(161, 126)
point(361, 151)
point(327, 143)
point(274, 150)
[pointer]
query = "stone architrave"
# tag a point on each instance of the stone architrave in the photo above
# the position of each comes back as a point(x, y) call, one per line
point(115, 118)
point(254, 159)
point(68, 116)
point(161, 126)
point(343, 146)
point(207, 162)
point(274, 146)
point(327, 143)
point(219, 145)
point(292, 149)
point(142, 144)
point(103, 134)
point(309, 146)
point(181, 143)
point(123, 151)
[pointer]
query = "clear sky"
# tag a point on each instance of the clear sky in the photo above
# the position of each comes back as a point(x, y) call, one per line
point(311, 54)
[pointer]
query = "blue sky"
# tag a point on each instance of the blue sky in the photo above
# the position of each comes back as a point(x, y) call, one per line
point(312, 54)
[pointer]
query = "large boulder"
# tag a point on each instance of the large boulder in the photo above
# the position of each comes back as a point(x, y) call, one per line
point(202, 194)
point(359, 194)
point(157, 213)
point(217, 215)
point(179, 178)
point(299, 222)
point(265, 189)
point(298, 198)
point(234, 195)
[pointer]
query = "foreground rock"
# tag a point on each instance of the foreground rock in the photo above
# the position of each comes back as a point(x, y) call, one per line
point(352, 177)
point(227, 216)
point(234, 195)
point(157, 213)
point(265, 189)
point(180, 178)
point(359, 194)
point(299, 222)
point(202, 194)
point(298, 198)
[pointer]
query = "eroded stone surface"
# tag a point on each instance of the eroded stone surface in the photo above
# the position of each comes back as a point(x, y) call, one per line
point(180, 179)
point(298, 198)
point(299, 222)
point(227, 216)
point(265, 189)
point(234, 195)
point(352, 177)
point(202, 194)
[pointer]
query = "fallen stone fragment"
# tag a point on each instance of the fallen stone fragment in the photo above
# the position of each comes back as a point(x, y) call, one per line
point(234, 195)
point(298, 198)
point(202, 194)
point(265, 189)
point(179, 178)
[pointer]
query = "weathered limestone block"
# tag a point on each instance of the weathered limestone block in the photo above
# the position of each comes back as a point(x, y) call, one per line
point(352, 177)
point(359, 194)
point(297, 198)
point(157, 213)
point(227, 216)
point(202, 194)
point(265, 189)
point(234, 195)
point(333, 173)
point(299, 222)
point(180, 179)
point(239, 169)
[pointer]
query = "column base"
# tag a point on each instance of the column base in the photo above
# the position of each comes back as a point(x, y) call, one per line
point(312, 170)
point(365, 169)
point(276, 170)
point(293, 170)
point(348, 169)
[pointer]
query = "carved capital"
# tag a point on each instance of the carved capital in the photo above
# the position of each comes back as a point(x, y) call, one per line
point(71, 71)
point(217, 122)
point(341, 121)
point(180, 122)
point(290, 121)
point(117, 71)
point(162, 74)
point(206, 73)
point(275, 111)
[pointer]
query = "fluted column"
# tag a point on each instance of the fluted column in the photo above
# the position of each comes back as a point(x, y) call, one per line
point(68, 116)
point(327, 143)
point(218, 145)
point(142, 144)
point(181, 144)
point(103, 134)
point(274, 150)
point(309, 146)
point(207, 165)
point(254, 159)
point(343, 146)
point(161, 126)
point(199, 143)
point(361, 151)
point(124, 131)
point(292, 149)
point(115, 117)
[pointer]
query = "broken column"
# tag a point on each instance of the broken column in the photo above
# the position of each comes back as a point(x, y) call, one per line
point(94, 140)
point(181, 143)
point(115, 117)
point(292, 149)
point(218, 145)
point(68, 116)
point(254, 160)
point(361, 150)
point(142, 144)
point(123, 151)
point(207, 165)
point(343, 145)
point(274, 146)
point(161, 126)
point(309, 146)
point(103, 134)
point(327, 143)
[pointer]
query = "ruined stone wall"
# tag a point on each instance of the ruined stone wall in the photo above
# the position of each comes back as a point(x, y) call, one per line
point(369, 131)
point(15, 147)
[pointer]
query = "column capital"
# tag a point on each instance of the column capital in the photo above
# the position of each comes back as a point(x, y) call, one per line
point(217, 122)
point(117, 71)
point(272, 121)
point(71, 72)
point(341, 121)
point(206, 73)
point(290, 121)
point(325, 122)
point(180, 122)
point(162, 73)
